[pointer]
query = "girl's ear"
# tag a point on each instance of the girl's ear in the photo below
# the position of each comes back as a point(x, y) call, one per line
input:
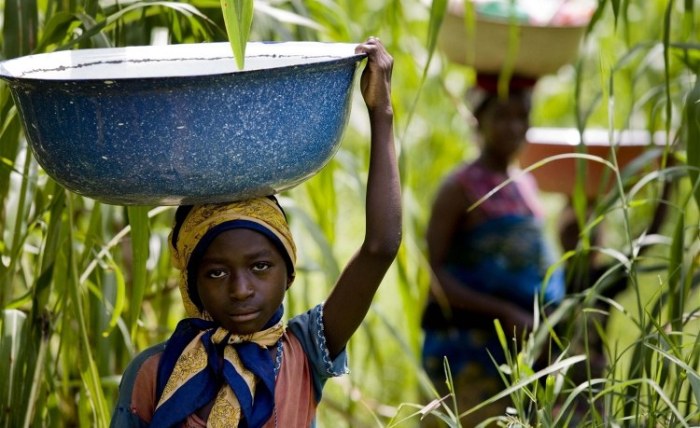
point(290, 280)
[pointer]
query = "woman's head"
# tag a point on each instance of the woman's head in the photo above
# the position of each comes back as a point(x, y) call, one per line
point(502, 121)
point(235, 259)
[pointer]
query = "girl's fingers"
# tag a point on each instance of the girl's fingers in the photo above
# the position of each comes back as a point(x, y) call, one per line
point(371, 44)
point(375, 83)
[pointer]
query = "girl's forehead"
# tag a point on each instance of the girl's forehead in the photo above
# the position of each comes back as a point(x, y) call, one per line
point(239, 239)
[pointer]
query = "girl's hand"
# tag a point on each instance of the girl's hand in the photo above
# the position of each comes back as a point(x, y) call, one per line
point(375, 83)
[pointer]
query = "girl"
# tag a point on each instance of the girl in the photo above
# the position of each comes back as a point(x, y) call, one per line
point(233, 362)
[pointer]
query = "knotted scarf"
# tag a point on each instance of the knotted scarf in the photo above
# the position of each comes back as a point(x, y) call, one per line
point(203, 362)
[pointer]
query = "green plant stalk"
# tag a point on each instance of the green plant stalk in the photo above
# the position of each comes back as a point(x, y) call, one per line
point(437, 15)
point(11, 344)
point(522, 383)
point(667, 72)
point(684, 371)
point(20, 27)
point(119, 299)
point(322, 197)
point(17, 239)
point(693, 393)
point(38, 374)
point(692, 131)
point(238, 17)
point(675, 278)
point(625, 212)
point(16, 413)
point(89, 373)
point(92, 233)
point(138, 219)
point(9, 146)
point(508, 68)
point(104, 252)
point(470, 29)
point(44, 285)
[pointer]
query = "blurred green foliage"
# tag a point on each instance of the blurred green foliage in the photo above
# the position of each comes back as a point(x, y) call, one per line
point(84, 286)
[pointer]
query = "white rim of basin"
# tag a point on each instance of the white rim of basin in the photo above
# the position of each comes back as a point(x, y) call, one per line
point(182, 60)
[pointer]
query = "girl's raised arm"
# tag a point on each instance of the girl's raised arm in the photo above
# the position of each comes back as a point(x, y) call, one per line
point(352, 295)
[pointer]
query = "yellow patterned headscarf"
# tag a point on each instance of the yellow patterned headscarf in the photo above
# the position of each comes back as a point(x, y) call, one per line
point(264, 212)
point(203, 362)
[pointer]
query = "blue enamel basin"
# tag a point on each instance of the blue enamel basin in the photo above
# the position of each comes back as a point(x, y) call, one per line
point(180, 124)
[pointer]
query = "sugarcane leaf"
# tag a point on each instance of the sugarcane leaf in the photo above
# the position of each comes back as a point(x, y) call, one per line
point(692, 129)
point(140, 234)
point(11, 341)
point(56, 29)
point(20, 27)
point(238, 17)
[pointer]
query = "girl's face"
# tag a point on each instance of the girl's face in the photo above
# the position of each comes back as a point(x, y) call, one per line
point(503, 125)
point(241, 280)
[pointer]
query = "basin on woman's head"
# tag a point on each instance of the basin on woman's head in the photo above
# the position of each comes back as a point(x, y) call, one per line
point(494, 43)
point(180, 124)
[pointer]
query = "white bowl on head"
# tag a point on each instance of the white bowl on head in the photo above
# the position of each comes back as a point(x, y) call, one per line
point(180, 124)
point(539, 49)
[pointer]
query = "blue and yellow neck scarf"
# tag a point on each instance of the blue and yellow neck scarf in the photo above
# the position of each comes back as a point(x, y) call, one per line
point(202, 362)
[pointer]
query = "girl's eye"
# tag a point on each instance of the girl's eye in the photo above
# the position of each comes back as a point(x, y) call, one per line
point(260, 266)
point(216, 273)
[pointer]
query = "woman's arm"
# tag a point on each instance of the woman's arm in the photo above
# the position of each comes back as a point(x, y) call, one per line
point(352, 295)
point(447, 215)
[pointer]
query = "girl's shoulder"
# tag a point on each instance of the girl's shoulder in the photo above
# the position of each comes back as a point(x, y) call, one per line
point(146, 360)
point(308, 329)
point(138, 386)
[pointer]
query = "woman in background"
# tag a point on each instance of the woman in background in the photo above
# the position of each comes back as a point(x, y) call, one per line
point(489, 262)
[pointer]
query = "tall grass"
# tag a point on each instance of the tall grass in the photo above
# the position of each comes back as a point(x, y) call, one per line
point(84, 286)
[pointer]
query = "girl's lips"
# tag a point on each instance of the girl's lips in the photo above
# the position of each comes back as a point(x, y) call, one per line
point(244, 317)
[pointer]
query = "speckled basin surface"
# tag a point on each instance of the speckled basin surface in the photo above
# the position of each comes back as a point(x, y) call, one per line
point(179, 124)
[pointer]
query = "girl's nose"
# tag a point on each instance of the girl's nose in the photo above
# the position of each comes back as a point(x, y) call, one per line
point(240, 287)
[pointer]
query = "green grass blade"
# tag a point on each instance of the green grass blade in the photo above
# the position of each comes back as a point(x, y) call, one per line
point(93, 234)
point(119, 299)
point(437, 15)
point(616, 9)
point(9, 141)
point(20, 27)
point(52, 249)
point(287, 17)
point(688, 371)
point(11, 340)
point(34, 400)
point(30, 337)
point(140, 235)
point(692, 131)
point(19, 228)
point(89, 372)
point(521, 383)
point(54, 32)
point(675, 275)
point(238, 17)
point(667, 67)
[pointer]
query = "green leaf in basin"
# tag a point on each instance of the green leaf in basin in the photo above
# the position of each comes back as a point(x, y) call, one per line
point(238, 17)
